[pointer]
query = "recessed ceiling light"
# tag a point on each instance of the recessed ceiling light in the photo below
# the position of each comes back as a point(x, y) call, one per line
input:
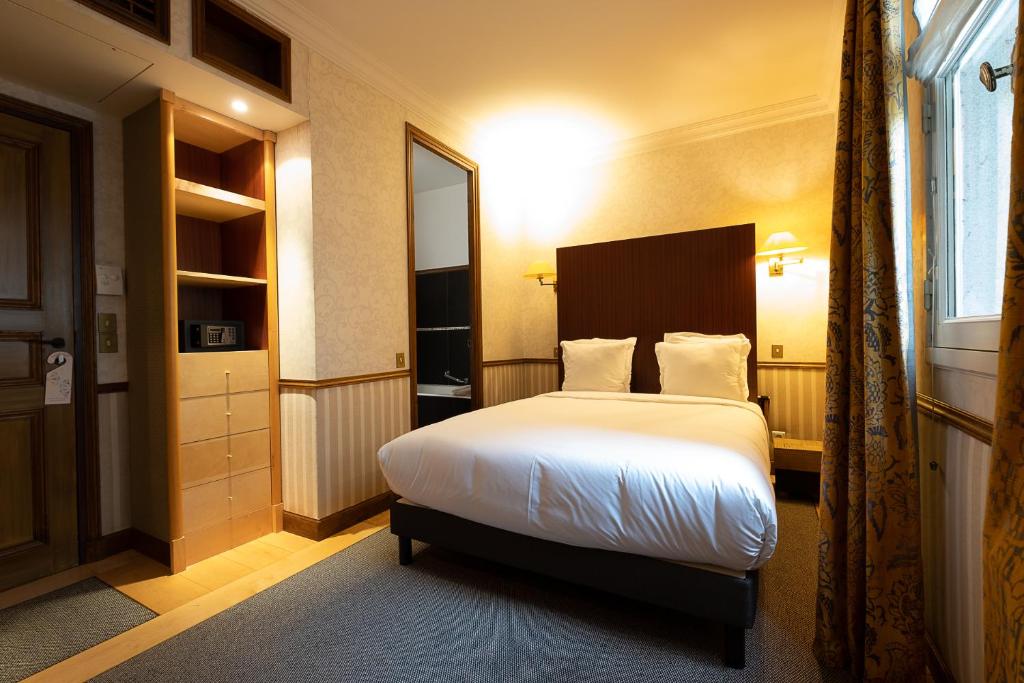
point(240, 106)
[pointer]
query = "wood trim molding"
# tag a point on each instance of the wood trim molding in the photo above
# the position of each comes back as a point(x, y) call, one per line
point(319, 529)
point(415, 136)
point(969, 423)
point(112, 388)
point(341, 381)
point(792, 366)
point(521, 361)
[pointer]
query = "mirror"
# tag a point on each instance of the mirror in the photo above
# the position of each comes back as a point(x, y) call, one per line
point(443, 279)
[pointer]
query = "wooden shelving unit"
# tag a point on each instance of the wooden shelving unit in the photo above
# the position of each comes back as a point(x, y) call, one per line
point(189, 278)
point(213, 204)
point(205, 433)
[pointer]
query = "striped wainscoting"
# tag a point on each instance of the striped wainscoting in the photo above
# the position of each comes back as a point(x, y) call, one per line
point(115, 477)
point(797, 392)
point(330, 434)
point(298, 451)
point(953, 500)
point(511, 380)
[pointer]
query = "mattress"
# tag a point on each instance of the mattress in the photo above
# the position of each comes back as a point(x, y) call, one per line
point(679, 478)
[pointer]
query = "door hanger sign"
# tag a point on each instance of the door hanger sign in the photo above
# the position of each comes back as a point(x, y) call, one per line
point(59, 379)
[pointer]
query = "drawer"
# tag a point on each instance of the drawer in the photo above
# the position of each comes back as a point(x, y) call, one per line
point(250, 492)
point(249, 412)
point(206, 374)
point(250, 451)
point(203, 418)
point(204, 461)
point(207, 504)
point(201, 374)
point(247, 370)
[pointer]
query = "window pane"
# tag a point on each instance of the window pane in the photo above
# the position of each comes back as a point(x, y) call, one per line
point(981, 165)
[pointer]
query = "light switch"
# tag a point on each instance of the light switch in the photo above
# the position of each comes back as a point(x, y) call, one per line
point(108, 342)
point(106, 322)
point(399, 360)
point(776, 350)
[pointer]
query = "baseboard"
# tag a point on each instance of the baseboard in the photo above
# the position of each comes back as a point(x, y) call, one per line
point(107, 545)
point(936, 664)
point(151, 547)
point(128, 539)
point(319, 529)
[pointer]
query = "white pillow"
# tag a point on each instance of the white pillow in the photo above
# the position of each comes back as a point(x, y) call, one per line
point(697, 338)
point(711, 370)
point(598, 364)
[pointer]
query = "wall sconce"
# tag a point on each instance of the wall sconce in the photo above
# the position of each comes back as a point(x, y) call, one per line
point(776, 247)
point(539, 270)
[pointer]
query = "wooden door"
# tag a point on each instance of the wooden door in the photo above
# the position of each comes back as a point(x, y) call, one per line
point(38, 501)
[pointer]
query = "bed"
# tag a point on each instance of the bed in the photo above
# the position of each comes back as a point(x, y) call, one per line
point(665, 499)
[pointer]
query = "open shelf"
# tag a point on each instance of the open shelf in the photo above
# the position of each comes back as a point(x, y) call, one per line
point(213, 204)
point(193, 279)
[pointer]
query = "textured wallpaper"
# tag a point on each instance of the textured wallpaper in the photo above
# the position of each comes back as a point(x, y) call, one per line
point(779, 178)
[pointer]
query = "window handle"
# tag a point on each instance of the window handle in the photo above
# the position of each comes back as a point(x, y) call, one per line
point(989, 76)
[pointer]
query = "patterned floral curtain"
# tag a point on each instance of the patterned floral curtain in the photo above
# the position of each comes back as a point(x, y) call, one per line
point(870, 608)
point(1004, 517)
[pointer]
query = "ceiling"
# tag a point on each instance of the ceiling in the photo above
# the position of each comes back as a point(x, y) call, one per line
point(640, 67)
point(432, 172)
point(106, 67)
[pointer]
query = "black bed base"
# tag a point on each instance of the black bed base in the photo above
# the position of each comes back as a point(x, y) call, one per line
point(709, 595)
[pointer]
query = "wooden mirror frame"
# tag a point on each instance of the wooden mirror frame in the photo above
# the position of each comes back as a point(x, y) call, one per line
point(414, 135)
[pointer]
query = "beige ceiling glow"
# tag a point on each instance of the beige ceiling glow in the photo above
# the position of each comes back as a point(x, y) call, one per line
point(539, 182)
point(648, 66)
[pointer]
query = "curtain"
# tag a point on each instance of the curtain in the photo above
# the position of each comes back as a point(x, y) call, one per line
point(870, 604)
point(1004, 516)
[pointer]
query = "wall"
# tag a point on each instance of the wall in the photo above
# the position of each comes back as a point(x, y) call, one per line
point(344, 303)
point(441, 228)
point(778, 177)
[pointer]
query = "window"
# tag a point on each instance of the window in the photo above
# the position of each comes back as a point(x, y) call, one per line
point(151, 17)
point(971, 168)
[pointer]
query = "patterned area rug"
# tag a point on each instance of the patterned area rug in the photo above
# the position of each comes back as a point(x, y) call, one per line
point(360, 616)
point(43, 631)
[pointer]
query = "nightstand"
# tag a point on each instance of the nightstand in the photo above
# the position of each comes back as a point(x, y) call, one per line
point(800, 455)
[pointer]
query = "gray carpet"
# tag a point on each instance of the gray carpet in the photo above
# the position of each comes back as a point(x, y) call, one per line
point(359, 616)
point(45, 630)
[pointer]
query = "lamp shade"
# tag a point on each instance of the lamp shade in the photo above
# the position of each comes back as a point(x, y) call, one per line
point(780, 243)
point(539, 269)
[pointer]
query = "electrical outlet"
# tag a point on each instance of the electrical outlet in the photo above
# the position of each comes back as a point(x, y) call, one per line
point(776, 350)
point(399, 360)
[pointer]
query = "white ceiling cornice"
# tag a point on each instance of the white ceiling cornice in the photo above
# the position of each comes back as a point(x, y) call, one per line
point(301, 24)
point(752, 119)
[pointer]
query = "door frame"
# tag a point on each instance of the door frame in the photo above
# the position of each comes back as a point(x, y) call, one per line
point(84, 315)
point(424, 139)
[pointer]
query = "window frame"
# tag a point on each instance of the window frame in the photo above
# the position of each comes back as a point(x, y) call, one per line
point(973, 333)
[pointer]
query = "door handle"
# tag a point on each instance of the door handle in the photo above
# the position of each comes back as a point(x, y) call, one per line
point(56, 342)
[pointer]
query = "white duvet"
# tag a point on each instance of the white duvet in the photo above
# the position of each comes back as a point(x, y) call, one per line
point(680, 478)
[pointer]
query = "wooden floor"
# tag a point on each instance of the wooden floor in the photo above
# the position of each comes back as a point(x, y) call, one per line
point(185, 599)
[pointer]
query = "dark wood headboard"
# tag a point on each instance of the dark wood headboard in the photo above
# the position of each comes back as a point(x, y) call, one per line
point(698, 281)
